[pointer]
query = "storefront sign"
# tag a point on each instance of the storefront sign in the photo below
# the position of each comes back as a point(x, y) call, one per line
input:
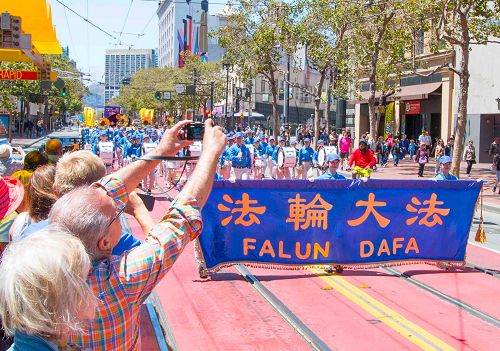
point(412, 108)
point(18, 75)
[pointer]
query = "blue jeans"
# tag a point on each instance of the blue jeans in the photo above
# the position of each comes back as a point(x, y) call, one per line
point(395, 159)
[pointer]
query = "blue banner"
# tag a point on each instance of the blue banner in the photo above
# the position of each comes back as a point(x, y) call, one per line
point(346, 222)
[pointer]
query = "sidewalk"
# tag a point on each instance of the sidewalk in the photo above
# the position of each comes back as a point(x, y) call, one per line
point(409, 170)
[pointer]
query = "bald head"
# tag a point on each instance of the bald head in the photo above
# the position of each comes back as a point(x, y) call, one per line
point(54, 147)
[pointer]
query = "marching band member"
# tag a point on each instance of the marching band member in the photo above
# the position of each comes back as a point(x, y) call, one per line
point(105, 151)
point(132, 149)
point(281, 172)
point(150, 180)
point(316, 171)
point(249, 140)
point(269, 153)
point(239, 156)
point(224, 161)
point(333, 161)
point(118, 146)
point(294, 172)
point(305, 157)
point(258, 160)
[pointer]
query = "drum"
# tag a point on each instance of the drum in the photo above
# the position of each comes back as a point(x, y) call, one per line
point(323, 152)
point(148, 147)
point(196, 149)
point(106, 152)
point(287, 157)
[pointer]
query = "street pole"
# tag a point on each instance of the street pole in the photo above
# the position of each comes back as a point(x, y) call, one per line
point(194, 94)
point(286, 107)
point(250, 106)
point(227, 93)
point(211, 99)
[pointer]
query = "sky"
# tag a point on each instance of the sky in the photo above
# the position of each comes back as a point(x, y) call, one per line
point(87, 44)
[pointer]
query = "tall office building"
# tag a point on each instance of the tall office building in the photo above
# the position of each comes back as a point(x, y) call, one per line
point(185, 27)
point(121, 64)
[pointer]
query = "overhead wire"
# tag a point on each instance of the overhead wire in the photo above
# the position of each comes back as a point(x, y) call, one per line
point(125, 22)
point(89, 22)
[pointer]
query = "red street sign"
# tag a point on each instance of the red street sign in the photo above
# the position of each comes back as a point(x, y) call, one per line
point(18, 75)
point(412, 108)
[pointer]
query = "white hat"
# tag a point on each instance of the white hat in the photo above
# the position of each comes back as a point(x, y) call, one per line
point(5, 151)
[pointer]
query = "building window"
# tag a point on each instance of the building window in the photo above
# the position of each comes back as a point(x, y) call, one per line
point(262, 86)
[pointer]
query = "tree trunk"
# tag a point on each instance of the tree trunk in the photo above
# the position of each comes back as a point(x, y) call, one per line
point(372, 112)
point(463, 95)
point(317, 102)
point(328, 104)
point(274, 92)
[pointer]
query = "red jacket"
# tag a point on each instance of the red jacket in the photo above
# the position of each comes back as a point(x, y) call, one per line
point(362, 160)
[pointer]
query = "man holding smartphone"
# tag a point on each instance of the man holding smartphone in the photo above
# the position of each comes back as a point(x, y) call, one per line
point(239, 155)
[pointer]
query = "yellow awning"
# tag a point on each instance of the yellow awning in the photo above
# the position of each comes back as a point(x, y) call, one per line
point(13, 56)
point(36, 19)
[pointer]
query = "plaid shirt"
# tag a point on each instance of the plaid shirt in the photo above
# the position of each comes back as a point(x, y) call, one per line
point(124, 282)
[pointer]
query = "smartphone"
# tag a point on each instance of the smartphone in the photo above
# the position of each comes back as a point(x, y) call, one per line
point(194, 131)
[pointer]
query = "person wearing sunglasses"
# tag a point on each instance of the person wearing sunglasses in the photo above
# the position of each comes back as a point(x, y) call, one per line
point(123, 282)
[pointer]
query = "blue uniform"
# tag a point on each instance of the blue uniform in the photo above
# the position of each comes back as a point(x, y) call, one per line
point(245, 161)
point(328, 175)
point(441, 176)
point(305, 154)
point(132, 149)
point(224, 156)
point(270, 150)
point(249, 140)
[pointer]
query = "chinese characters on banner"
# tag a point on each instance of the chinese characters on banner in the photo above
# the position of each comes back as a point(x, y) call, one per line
point(337, 222)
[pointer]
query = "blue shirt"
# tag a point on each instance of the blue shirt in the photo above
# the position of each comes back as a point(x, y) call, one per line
point(249, 140)
point(245, 161)
point(305, 154)
point(25, 342)
point(441, 176)
point(132, 149)
point(328, 175)
point(270, 150)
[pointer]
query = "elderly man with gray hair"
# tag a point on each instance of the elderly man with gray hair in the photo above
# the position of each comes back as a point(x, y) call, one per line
point(124, 282)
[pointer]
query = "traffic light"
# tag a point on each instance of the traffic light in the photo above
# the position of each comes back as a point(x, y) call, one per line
point(158, 95)
point(63, 92)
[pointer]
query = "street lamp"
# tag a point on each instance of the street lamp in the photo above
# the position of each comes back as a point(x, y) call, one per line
point(226, 66)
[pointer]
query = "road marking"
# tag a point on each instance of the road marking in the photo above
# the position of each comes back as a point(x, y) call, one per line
point(391, 318)
point(483, 247)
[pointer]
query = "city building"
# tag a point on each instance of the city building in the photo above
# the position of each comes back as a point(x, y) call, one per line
point(185, 27)
point(428, 101)
point(121, 64)
point(303, 80)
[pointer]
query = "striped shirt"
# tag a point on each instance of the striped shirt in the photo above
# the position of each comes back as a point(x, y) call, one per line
point(123, 283)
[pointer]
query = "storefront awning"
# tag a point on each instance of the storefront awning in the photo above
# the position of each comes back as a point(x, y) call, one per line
point(410, 92)
point(36, 19)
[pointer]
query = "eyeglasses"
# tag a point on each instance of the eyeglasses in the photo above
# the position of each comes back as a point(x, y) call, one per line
point(119, 208)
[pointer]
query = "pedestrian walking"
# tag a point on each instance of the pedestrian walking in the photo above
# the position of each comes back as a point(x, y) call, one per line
point(494, 150)
point(422, 158)
point(496, 162)
point(438, 152)
point(470, 156)
point(395, 151)
point(412, 148)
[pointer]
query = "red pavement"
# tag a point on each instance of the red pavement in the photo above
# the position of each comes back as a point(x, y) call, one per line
point(409, 170)
point(225, 313)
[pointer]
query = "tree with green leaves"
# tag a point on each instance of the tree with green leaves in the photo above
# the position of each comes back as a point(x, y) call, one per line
point(140, 93)
point(321, 28)
point(460, 24)
point(379, 39)
point(256, 39)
